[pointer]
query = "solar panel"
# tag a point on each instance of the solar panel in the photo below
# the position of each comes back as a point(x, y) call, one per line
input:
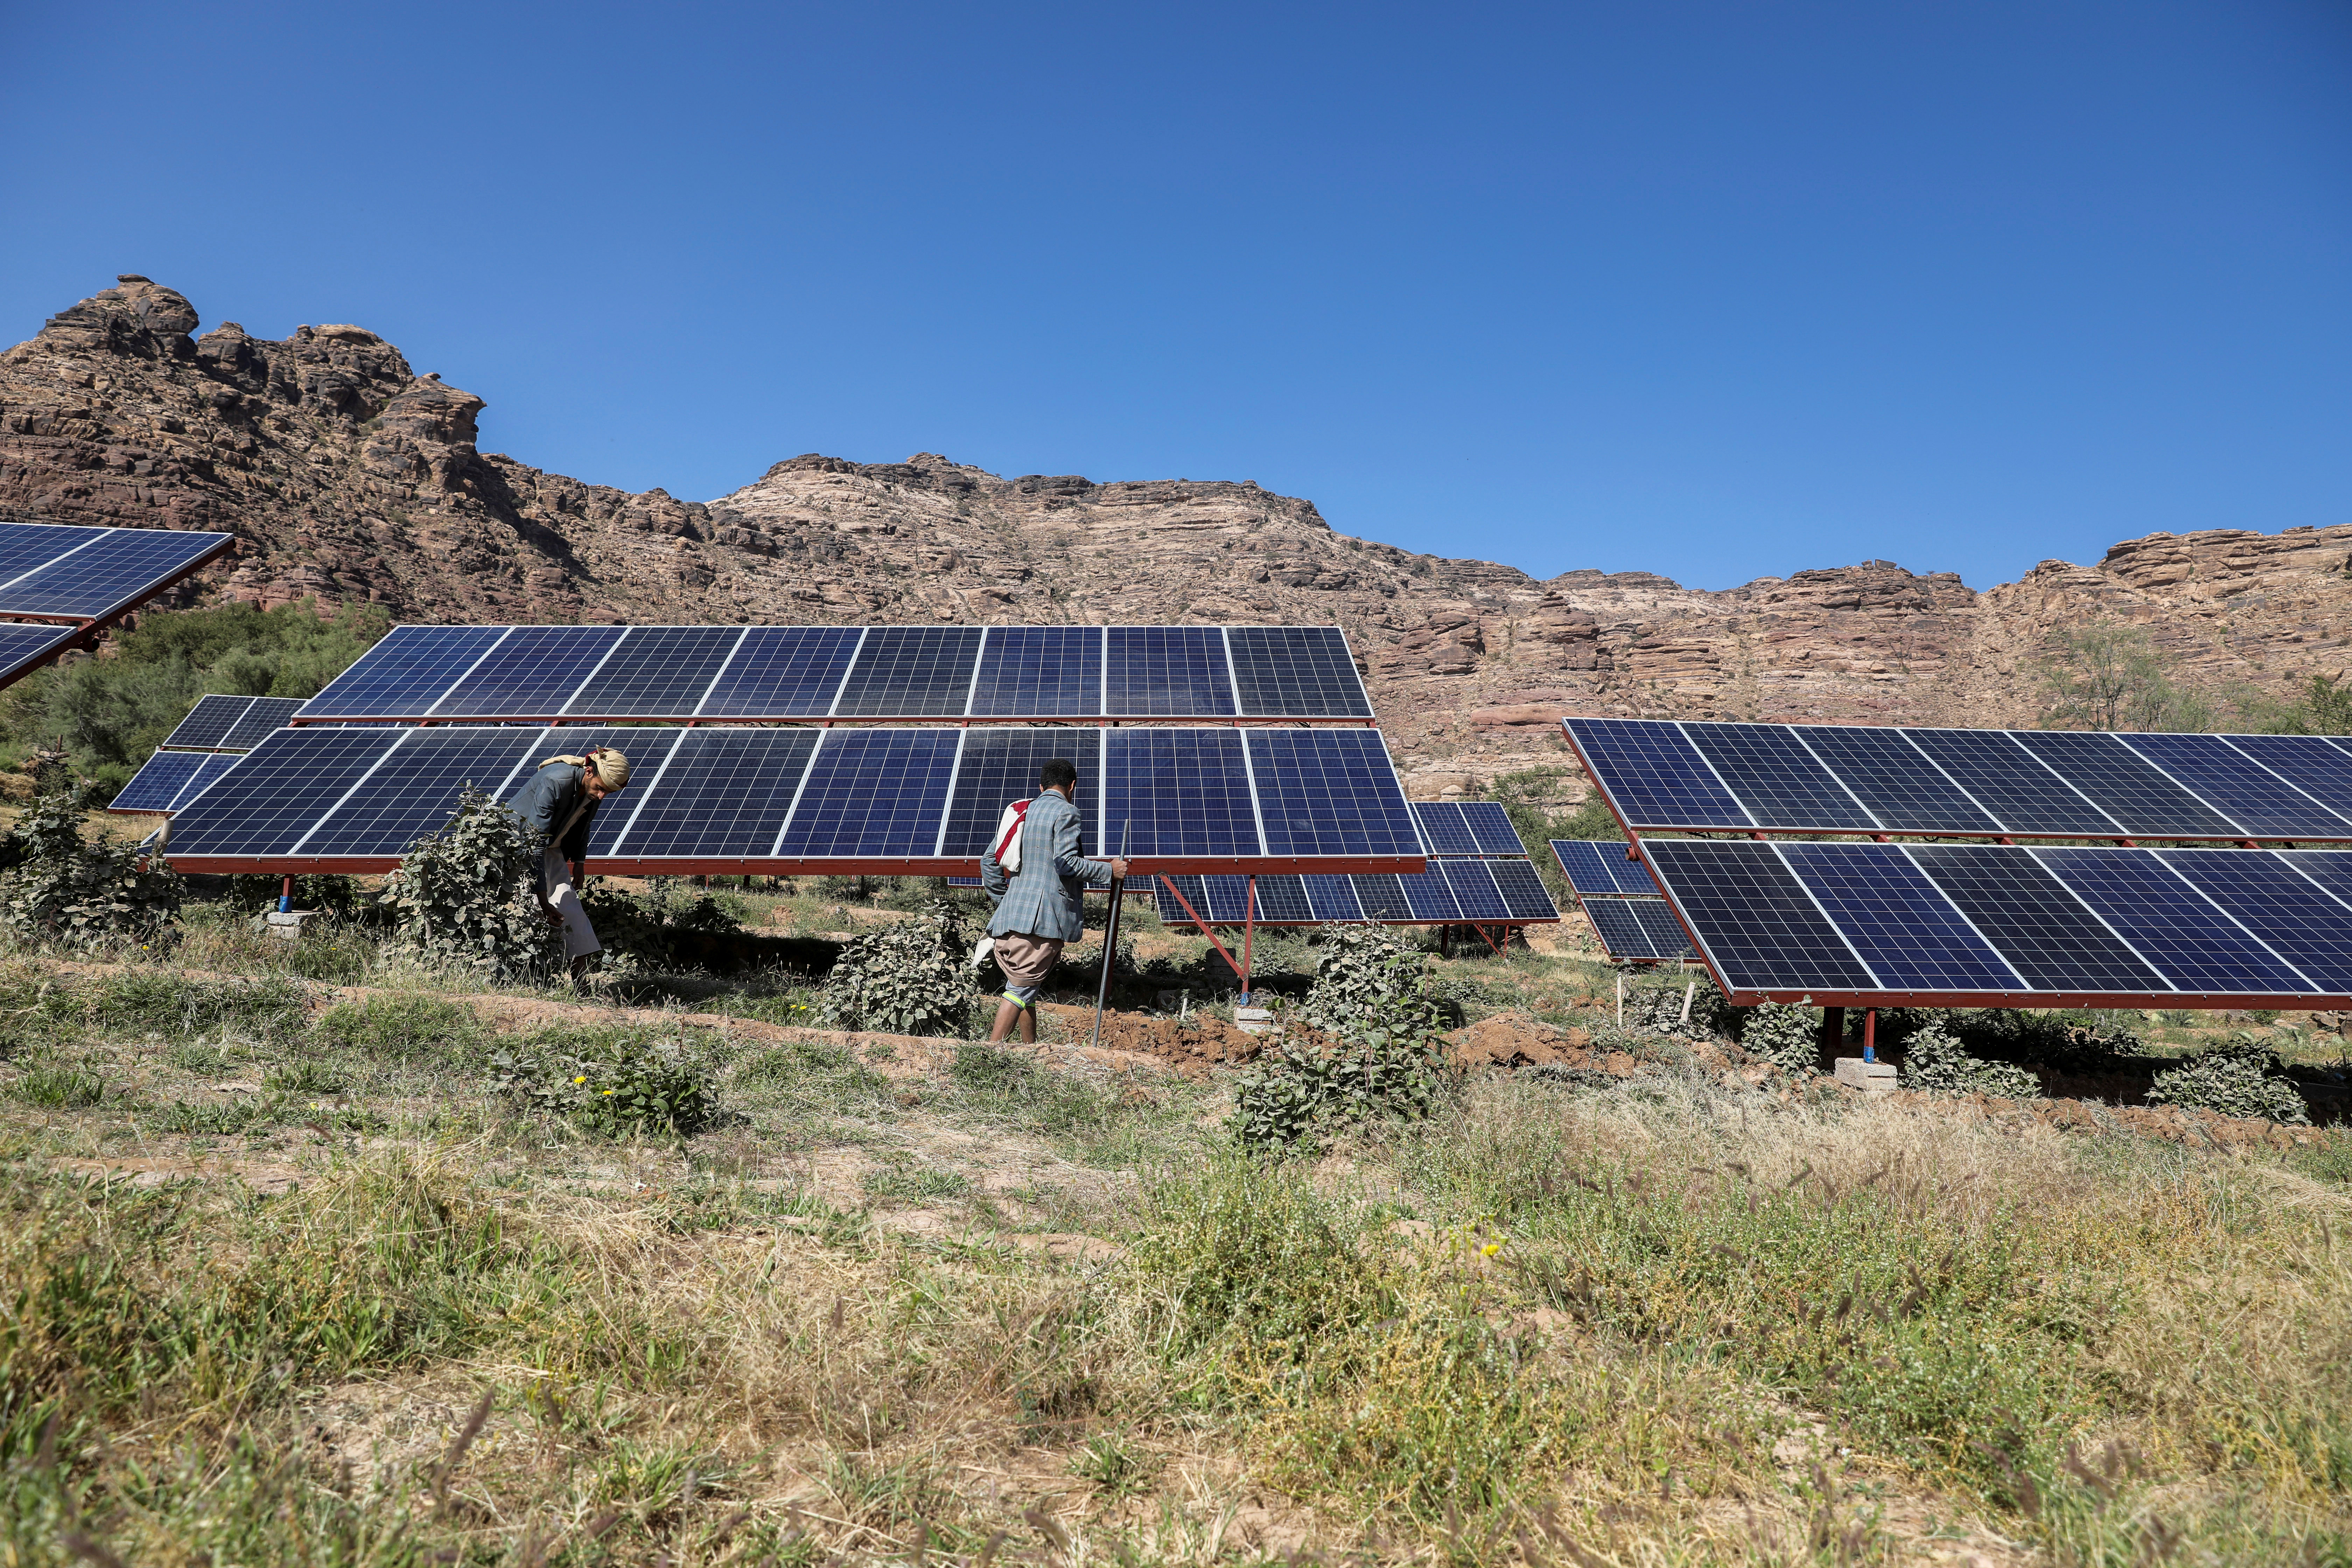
point(1295, 672)
point(1329, 792)
point(1429, 897)
point(1473, 891)
point(532, 671)
point(22, 646)
point(2125, 785)
point(1380, 896)
point(1895, 779)
point(2252, 796)
point(265, 715)
point(1760, 929)
point(1898, 921)
point(1442, 827)
point(2169, 923)
point(1192, 893)
point(871, 793)
point(999, 766)
point(1777, 778)
point(2011, 783)
point(1638, 929)
point(2292, 916)
point(2331, 868)
point(1585, 863)
point(911, 672)
point(283, 786)
point(94, 578)
point(160, 780)
point(209, 722)
point(414, 790)
point(722, 794)
point(1490, 827)
point(782, 672)
point(2047, 934)
point(1655, 776)
point(1282, 901)
point(2309, 762)
point(1524, 895)
point(1187, 792)
point(1173, 672)
point(655, 672)
point(1332, 898)
point(1228, 898)
point(406, 673)
point(25, 547)
point(1042, 672)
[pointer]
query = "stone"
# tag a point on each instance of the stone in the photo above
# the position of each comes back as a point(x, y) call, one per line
point(1871, 1077)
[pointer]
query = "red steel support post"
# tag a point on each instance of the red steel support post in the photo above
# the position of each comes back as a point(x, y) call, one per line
point(1249, 922)
point(1870, 1035)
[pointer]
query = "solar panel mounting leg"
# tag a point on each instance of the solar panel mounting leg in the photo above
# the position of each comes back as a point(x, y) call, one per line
point(1249, 923)
point(1186, 905)
point(285, 894)
point(1870, 1035)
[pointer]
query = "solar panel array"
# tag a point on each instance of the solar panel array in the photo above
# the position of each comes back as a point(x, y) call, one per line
point(1673, 776)
point(93, 574)
point(678, 673)
point(2006, 925)
point(1621, 900)
point(215, 732)
point(904, 800)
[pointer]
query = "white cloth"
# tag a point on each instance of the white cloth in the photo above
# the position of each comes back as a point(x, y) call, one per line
point(555, 882)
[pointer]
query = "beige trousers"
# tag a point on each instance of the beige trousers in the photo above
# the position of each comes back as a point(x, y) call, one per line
point(555, 887)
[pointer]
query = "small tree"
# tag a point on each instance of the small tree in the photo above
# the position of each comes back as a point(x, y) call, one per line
point(467, 897)
point(2104, 674)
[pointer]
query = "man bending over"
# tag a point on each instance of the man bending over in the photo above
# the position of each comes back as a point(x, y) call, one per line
point(1041, 906)
point(561, 801)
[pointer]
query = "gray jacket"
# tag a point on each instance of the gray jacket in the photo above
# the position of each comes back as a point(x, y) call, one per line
point(1044, 898)
point(549, 798)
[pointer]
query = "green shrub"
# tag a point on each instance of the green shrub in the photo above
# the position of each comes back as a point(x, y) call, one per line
point(1366, 978)
point(401, 1028)
point(625, 1084)
point(57, 1088)
point(1304, 1085)
point(466, 897)
point(2241, 1077)
point(1935, 1061)
point(915, 978)
point(58, 888)
point(1786, 1034)
point(655, 928)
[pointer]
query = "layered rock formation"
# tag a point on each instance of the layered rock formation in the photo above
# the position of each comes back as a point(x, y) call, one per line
point(346, 477)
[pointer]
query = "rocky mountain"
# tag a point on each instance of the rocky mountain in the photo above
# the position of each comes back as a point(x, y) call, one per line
point(348, 477)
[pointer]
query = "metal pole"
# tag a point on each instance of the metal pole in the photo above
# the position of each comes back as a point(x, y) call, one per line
point(1870, 1035)
point(1249, 921)
point(1110, 935)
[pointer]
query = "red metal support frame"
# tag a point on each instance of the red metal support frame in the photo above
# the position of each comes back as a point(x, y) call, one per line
point(1249, 926)
point(1186, 904)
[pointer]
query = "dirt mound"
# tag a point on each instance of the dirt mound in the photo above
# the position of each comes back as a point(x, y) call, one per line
point(1514, 1040)
point(1190, 1045)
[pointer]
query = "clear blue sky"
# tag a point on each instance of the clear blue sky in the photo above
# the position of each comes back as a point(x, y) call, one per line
point(1716, 290)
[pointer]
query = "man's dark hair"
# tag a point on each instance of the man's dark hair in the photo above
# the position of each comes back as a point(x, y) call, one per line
point(1057, 771)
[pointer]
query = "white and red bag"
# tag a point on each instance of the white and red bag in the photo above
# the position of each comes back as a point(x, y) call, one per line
point(1008, 835)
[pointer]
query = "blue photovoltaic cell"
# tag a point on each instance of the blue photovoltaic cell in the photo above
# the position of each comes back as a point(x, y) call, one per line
point(1585, 865)
point(1333, 898)
point(1295, 672)
point(1474, 893)
point(1330, 791)
point(782, 672)
point(1380, 896)
point(873, 792)
point(2174, 927)
point(2331, 868)
point(1638, 928)
point(117, 570)
point(209, 722)
point(912, 672)
point(2021, 794)
point(1039, 672)
point(1282, 901)
point(1490, 827)
point(266, 714)
point(1226, 897)
point(215, 764)
point(2125, 785)
point(2255, 798)
point(280, 788)
point(1524, 895)
point(724, 792)
point(1428, 896)
point(1195, 894)
point(1895, 779)
point(158, 781)
point(655, 672)
point(2047, 934)
point(404, 674)
point(1758, 924)
point(1000, 765)
point(1899, 921)
point(22, 644)
point(646, 746)
point(414, 790)
point(1781, 783)
point(1655, 776)
point(26, 546)
point(1442, 827)
point(1186, 791)
point(530, 674)
point(2307, 761)
point(2295, 919)
point(1175, 672)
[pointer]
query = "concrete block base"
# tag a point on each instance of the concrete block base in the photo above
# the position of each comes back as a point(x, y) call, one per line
point(1871, 1077)
point(285, 924)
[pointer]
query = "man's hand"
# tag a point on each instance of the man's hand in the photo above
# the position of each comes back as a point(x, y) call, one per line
point(1118, 868)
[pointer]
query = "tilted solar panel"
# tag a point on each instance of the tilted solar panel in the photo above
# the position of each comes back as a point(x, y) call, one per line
point(415, 789)
point(1228, 899)
point(2291, 915)
point(265, 715)
point(1638, 929)
point(655, 672)
point(1895, 779)
point(282, 788)
point(1585, 863)
point(1524, 895)
point(2125, 785)
point(1187, 890)
point(1756, 925)
point(1380, 896)
point(1657, 778)
point(1474, 893)
point(2315, 765)
point(94, 579)
point(871, 793)
point(999, 766)
point(1429, 897)
point(1295, 672)
point(782, 672)
point(26, 547)
point(2193, 943)
point(23, 645)
point(1187, 792)
point(532, 670)
point(1776, 777)
point(1899, 922)
point(1329, 792)
point(1176, 672)
point(1332, 898)
point(2048, 935)
point(1442, 827)
point(2331, 868)
point(720, 794)
point(406, 673)
point(1282, 901)
point(209, 722)
point(2022, 792)
point(160, 780)
point(1490, 827)
point(1039, 672)
point(911, 672)
point(2234, 784)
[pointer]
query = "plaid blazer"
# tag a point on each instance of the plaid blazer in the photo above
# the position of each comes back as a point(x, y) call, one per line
point(1044, 898)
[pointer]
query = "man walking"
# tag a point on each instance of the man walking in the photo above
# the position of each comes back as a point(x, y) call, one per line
point(1041, 905)
point(560, 801)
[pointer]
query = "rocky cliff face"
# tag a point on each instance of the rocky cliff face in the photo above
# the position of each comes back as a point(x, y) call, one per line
point(346, 475)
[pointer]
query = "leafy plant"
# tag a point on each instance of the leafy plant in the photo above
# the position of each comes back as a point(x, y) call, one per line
point(1304, 1085)
point(628, 1084)
point(466, 897)
point(1659, 1006)
point(58, 888)
point(2105, 675)
point(1365, 978)
point(1935, 1061)
point(658, 927)
point(1786, 1034)
point(914, 978)
point(2239, 1077)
